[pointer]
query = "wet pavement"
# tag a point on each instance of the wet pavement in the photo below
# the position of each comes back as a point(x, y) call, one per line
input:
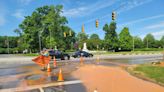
point(15, 75)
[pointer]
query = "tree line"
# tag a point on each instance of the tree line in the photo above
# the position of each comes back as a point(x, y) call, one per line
point(46, 27)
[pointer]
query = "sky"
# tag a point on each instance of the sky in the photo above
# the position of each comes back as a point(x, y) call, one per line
point(140, 16)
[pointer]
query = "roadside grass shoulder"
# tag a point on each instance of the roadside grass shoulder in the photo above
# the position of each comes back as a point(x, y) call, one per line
point(153, 73)
point(134, 52)
point(29, 54)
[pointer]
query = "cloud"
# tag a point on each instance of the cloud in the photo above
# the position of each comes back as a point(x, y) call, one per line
point(124, 6)
point(141, 20)
point(19, 14)
point(129, 4)
point(25, 2)
point(3, 13)
point(85, 10)
point(154, 26)
point(158, 35)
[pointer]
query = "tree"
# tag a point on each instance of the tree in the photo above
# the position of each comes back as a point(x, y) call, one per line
point(162, 41)
point(18, 32)
point(111, 38)
point(94, 42)
point(125, 39)
point(82, 38)
point(138, 42)
point(94, 36)
point(47, 24)
point(149, 41)
point(157, 44)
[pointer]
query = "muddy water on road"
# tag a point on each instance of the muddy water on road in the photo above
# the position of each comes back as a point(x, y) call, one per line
point(32, 75)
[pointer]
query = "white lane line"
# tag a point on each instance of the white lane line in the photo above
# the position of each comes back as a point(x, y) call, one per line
point(41, 86)
point(41, 89)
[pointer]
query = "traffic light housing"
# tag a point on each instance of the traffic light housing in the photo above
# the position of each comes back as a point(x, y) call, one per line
point(64, 34)
point(113, 16)
point(97, 23)
point(70, 33)
point(82, 28)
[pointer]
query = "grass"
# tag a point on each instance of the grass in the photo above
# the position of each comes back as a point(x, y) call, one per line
point(106, 53)
point(134, 52)
point(29, 54)
point(153, 72)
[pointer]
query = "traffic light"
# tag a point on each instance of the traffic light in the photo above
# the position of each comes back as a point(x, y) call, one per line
point(113, 15)
point(70, 33)
point(64, 34)
point(97, 23)
point(82, 28)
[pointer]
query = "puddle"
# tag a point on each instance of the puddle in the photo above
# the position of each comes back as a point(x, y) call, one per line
point(133, 60)
point(11, 84)
point(11, 72)
point(67, 88)
point(35, 90)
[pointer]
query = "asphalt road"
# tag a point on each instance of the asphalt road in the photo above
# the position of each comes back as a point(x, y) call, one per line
point(13, 67)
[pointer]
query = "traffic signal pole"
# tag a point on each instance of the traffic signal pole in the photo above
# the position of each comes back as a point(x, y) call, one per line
point(133, 43)
point(8, 45)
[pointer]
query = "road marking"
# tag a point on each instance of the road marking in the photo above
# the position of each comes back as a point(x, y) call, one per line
point(41, 86)
point(41, 89)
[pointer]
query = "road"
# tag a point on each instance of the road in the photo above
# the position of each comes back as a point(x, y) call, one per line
point(21, 71)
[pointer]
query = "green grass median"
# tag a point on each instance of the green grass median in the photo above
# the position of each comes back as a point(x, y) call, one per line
point(149, 72)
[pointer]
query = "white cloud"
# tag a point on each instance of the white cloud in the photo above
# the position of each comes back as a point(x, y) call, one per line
point(157, 35)
point(141, 20)
point(85, 10)
point(126, 5)
point(129, 4)
point(3, 12)
point(19, 14)
point(25, 2)
point(153, 26)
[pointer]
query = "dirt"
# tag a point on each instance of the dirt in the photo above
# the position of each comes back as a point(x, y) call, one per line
point(113, 79)
point(162, 63)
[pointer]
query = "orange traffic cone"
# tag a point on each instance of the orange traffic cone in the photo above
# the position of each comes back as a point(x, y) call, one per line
point(81, 60)
point(48, 68)
point(60, 76)
point(55, 64)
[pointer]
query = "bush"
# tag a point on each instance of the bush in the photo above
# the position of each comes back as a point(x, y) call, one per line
point(5, 50)
point(149, 49)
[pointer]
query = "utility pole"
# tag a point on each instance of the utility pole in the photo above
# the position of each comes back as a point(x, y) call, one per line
point(8, 45)
point(147, 43)
point(133, 43)
point(39, 41)
point(50, 40)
